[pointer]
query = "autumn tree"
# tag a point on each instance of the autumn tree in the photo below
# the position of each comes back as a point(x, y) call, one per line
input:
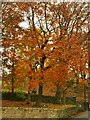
point(10, 34)
point(53, 48)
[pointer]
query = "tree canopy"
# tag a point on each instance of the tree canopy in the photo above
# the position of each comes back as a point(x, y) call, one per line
point(44, 44)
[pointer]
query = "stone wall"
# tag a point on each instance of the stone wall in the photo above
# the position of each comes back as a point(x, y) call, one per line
point(21, 112)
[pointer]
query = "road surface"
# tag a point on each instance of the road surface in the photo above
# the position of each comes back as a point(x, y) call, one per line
point(85, 114)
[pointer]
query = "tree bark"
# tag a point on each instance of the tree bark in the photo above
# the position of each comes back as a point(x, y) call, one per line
point(64, 98)
point(38, 101)
point(12, 86)
point(29, 98)
point(13, 75)
point(85, 106)
point(58, 95)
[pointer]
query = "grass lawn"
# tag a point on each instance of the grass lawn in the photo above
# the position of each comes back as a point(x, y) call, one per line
point(8, 103)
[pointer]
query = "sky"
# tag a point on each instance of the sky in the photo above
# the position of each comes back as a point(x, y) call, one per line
point(24, 24)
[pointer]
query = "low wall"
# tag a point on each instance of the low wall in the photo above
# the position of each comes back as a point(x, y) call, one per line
point(21, 112)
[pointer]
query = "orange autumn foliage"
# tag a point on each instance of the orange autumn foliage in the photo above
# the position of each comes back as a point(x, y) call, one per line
point(51, 50)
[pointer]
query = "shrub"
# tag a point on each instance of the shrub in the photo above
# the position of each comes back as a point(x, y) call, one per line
point(21, 96)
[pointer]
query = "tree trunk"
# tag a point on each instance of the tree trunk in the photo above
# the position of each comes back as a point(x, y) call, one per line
point(13, 75)
point(85, 106)
point(58, 95)
point(40, 90)
point(38, 101)
point(64, 98)
point(12, 86)
point(29, 96)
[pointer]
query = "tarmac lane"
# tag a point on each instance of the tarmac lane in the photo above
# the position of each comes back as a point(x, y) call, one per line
point(85, 114)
